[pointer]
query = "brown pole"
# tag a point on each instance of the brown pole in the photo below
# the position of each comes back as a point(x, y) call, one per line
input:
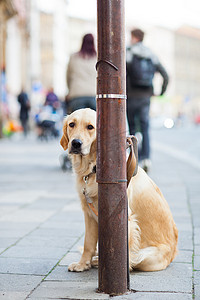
point(111, 145)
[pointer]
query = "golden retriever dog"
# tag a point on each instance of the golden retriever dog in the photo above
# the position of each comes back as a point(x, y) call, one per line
point(152, 232)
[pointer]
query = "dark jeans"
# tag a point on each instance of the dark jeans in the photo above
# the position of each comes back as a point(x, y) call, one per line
point(81, 102)
point(138, 119)
point(24, 123)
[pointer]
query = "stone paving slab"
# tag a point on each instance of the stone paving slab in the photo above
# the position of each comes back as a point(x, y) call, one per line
point(28, 215)
point(81, 290)
point(67, 290)
point(26, 266)
point(197, 262)
point(197, 236)
point(180, 211)
point(70, 257)
point(23, 197)
point(184, 256)
point(56, 232)
point(68, 217)
point(18, 283)
point(35, 252)
point(61, 274)
point(78, 246)
point(185, 241)
point(77, 226)
point(182, 220)
point(196, 220)
point(13, 295)
point(17, 287)
point(155, 296)
point(13, 233)
point(184, 227)
point(176, 278)
point(51, 204)
point(47, 241)
point(6, 242)
point(7, 209)
point(17, 226)
point(139, 296)
point(196, 249)
point(197, 285)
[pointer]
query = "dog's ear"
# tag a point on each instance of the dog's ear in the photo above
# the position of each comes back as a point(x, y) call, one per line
point(93, 148)
point(132, 162)
point(64, 140)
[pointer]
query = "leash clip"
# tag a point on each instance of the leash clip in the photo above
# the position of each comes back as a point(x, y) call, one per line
point(85, 179)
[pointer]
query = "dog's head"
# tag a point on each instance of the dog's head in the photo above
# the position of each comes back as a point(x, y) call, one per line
point(79, 131)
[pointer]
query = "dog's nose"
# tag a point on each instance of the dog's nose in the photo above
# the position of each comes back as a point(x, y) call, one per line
point(76, 144)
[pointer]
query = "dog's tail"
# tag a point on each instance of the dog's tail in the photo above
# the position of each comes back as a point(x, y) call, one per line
point(151, 258)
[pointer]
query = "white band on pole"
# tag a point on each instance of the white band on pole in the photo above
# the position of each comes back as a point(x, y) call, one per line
point(111, 96)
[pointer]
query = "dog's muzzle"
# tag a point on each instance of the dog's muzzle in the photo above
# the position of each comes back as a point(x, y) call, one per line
point(76, 146)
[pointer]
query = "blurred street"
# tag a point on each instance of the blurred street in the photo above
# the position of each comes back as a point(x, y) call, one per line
point(181, 143)
point(42, 228)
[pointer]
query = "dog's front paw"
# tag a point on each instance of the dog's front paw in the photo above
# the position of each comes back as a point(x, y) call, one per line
point(79, 267)
point(95, 261)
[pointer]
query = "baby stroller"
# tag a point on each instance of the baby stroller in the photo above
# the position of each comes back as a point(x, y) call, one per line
point(65, 162)
point(47, 122)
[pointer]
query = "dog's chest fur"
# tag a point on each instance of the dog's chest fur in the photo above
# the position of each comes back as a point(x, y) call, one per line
point(86, 181)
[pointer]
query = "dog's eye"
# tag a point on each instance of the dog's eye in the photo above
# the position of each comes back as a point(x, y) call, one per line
point(90, 127)
point(72, 124)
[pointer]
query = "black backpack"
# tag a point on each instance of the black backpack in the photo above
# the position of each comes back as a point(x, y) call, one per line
point(141, 71)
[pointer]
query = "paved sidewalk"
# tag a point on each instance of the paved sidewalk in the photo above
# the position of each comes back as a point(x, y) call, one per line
point(42, 228)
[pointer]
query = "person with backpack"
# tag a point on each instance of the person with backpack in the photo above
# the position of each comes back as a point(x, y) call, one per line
point(141, 65)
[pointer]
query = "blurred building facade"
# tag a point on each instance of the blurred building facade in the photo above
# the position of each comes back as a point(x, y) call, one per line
point(11, 17)
point(187, 69)
point(49, 46)
point(35, 44)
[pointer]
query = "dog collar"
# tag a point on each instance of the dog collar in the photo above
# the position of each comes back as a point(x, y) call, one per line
point(86, 177)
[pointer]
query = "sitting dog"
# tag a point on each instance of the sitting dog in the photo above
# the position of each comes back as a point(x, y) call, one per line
point(152, 231)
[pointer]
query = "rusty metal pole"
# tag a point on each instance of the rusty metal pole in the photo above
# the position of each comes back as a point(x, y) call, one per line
point(111, 145)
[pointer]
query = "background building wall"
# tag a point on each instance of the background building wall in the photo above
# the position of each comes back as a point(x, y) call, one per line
point(46, 50)
point(37, 42)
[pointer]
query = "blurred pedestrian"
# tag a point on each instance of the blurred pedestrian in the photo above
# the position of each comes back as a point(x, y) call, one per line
point(24, 110)
point(81, 76)
point(52, 99)
point(141, 65)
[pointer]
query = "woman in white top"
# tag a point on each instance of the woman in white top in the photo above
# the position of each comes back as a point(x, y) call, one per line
point(81, 76)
